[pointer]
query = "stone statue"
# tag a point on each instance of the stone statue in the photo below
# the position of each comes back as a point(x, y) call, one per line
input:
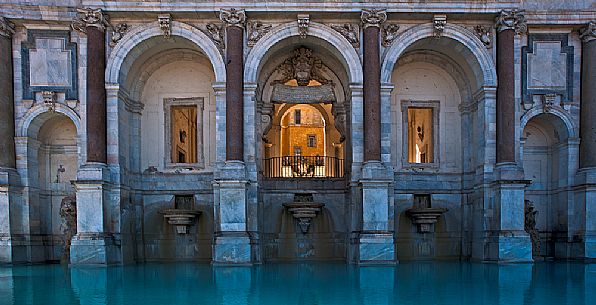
point(530, 226)
point(68, 213)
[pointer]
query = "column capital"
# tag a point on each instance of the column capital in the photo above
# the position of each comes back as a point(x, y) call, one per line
point(233, 17)
point(511, 20)
point(588, 32)
point(87, 17)
point(373, 17)
point(6, 27)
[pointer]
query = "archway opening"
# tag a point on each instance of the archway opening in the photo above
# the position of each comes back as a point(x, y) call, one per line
point(52, 164)
point(545, 155)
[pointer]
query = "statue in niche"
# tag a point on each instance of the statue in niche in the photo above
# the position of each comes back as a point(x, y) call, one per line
point(530, 226)
point(68, 213)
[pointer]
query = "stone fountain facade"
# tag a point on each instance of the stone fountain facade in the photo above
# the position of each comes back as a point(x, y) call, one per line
point(90, 96)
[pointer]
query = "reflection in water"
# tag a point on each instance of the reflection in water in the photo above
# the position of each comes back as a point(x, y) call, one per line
point(304, 283)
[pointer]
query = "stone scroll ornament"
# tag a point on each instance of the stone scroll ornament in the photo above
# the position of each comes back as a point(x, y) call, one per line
point(373, 18)
point(88, 17)
point(233, 17)
point(588, 32)
point(68, 213)
point(511, 20)
point(6, 27)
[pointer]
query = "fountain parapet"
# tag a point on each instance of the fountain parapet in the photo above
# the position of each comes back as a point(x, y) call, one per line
point(304, 209)
point(423, 215)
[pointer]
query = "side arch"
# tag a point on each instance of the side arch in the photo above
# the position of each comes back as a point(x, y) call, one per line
point(455, 32)
point(142, 33)
point(42, 112)
point(564, 117)
point(257, 55)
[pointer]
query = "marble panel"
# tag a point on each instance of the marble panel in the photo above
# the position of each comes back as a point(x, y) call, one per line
point(49, 63)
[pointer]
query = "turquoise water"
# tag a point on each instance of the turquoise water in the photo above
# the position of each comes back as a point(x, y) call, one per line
point(312, 283)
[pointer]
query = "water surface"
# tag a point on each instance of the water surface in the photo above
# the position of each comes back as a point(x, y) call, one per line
point(303, 283)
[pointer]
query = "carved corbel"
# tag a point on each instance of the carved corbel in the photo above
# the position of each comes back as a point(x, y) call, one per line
point(484, 35)
point(588, 32)
point(165, 24)
point(303, 22)
point(350, 31)
point(389, 34)
point(256, 30)
point(49, 99)
point(439, 23)
point(88, 17)
point(6, 27)
point(511, 20)
point(373, 17)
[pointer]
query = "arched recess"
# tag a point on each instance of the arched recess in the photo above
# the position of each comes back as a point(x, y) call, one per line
point(482, 66)
point(548, 147)
point(52, 145)
point(116, 66)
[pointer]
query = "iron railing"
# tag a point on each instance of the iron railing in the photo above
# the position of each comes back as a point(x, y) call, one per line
point(303, 166)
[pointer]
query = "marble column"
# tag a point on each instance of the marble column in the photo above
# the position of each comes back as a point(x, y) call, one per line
point(372, 87)
point(9, 178)
point(505, 93)
point(94, 243)
point(232, 242)
point(505, 238)
point(234, 85)
point(586, 177)
point(376, 237)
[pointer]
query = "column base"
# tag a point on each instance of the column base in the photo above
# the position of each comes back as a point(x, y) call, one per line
point(13, 246)
point(584, 235)
point(376, 248)
point(232, 249)
point(94, 249)
point(510, 247)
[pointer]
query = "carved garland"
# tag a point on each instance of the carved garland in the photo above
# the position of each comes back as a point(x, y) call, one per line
point(256, 30)
point(350, 31)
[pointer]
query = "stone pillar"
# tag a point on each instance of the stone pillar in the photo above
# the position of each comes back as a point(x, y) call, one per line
point(586, 177)
point(9, 178)
point(376, 237)
point(232, 242)
point(94, 244)
point(372, 85)
point(505, 239)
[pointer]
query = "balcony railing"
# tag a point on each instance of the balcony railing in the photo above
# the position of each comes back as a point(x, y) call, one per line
point(303, 166)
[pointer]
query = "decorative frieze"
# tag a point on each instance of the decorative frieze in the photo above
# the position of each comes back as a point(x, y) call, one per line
point(165, 24)
point(255, 31)
point(350, 31)
point(439, 23)
point(6, 27)
point(233, 17)
point(373, 17)
point(88, 17)
point(511, 20)
point(484, 35)
point(388, 34)
point(588, 32)
point(303, 22)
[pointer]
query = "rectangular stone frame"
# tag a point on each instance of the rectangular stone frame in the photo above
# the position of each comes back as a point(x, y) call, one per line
point(435, 105)
point(187, 101)
point(563, 38)
point(28, 90)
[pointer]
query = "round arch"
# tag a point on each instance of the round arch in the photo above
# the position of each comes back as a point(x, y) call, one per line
point(43, 113)
point(286, 107)
point(345, 49)
point(142, 33)
point(455, 32)
point(565, 119)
